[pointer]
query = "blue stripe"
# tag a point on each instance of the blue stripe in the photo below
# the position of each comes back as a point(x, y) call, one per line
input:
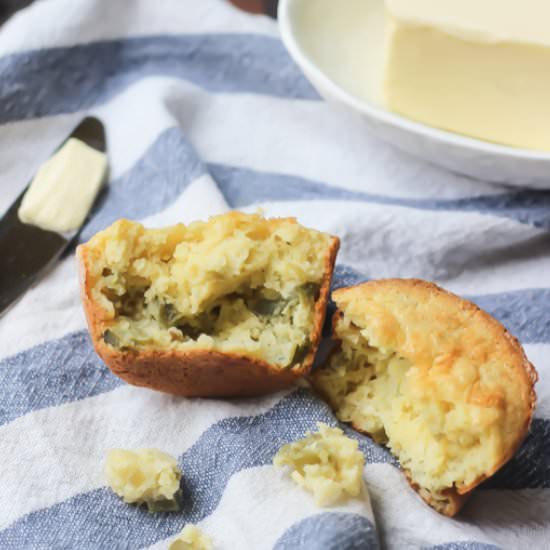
point(243, 187)
point(47, 82)
point(226, 448)
point(153, 183)
point(463, 545)
point(98, 519)
point(68, 369)
point(523, 312)
point(50, 374)
point(171, 163)
point(530, 467)
point(330, 531)
point(344, 276)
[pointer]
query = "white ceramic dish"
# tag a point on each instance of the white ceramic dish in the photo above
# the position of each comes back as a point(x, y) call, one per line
point(337, 44)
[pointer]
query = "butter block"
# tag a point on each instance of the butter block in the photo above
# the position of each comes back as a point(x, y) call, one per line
point(476, 67)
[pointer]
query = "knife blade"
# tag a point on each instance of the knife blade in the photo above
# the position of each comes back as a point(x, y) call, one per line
point(28, 252)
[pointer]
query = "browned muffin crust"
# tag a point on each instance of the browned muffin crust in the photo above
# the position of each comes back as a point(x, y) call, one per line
point(483, 339)
point(198, 372)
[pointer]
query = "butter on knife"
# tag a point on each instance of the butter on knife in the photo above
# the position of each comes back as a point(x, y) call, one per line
point(45, 217)
point(64, 188)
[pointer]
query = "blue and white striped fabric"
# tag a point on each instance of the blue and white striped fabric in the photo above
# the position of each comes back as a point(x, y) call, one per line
point(204, 112)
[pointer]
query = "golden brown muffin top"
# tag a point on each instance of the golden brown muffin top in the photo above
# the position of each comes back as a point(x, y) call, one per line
point(458, 352)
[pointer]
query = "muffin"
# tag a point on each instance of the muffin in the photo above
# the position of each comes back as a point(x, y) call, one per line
point(433, 377)
point(229, 307)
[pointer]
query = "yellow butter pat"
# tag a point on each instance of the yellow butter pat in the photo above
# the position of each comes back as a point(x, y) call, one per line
point(64, 188)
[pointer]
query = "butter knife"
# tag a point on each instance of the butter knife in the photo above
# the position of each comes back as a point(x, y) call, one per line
point(27, 252)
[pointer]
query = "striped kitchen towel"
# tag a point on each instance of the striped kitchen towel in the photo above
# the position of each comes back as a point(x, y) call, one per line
point(205, 112)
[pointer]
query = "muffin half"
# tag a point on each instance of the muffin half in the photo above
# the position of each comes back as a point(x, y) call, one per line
point(433, 377)
point(229, 307)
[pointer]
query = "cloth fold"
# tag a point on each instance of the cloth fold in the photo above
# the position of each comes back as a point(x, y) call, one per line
point(205, 112)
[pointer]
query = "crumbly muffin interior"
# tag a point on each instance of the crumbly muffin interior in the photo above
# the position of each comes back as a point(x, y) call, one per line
point(145, 476)
point(327, 463)
point(447, 413)
point(237, 283)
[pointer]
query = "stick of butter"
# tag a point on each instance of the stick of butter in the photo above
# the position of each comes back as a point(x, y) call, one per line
point(64, 188)
point(476, 67)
